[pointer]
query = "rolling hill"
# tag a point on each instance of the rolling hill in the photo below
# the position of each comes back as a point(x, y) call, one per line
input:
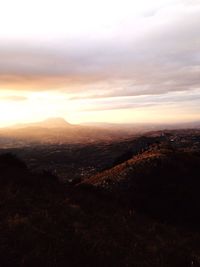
point(161, 182)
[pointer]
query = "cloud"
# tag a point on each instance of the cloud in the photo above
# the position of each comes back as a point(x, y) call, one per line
point(14, 98)
point(184, 98)
point(154, 53)
point(118, 106)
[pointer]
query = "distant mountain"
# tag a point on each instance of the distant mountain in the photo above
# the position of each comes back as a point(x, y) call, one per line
point(59, 131)
point(48, 123)
point(54, 123)
point(54, 130)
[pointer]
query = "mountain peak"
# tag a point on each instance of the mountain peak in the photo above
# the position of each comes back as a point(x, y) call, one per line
point(55, 122)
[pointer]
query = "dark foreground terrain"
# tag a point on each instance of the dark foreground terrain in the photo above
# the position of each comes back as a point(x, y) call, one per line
point(139, 207)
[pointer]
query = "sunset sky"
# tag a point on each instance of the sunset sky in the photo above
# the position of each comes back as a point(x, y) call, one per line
point(108, 60)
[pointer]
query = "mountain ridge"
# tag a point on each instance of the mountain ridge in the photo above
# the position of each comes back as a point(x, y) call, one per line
point(52, 122)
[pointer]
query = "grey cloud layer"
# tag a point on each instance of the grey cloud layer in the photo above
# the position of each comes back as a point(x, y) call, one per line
point(14, 98)
point(190, 99)
point(158, 55)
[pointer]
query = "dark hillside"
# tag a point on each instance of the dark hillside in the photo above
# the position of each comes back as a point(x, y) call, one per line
point(161, 182)
point(46, 223)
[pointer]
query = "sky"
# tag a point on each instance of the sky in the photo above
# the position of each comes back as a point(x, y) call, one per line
point(100, 61)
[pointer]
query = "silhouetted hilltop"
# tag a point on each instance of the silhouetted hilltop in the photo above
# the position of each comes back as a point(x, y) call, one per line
point(8, 160)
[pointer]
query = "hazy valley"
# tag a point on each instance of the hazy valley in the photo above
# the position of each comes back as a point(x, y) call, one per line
point(117, 198)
